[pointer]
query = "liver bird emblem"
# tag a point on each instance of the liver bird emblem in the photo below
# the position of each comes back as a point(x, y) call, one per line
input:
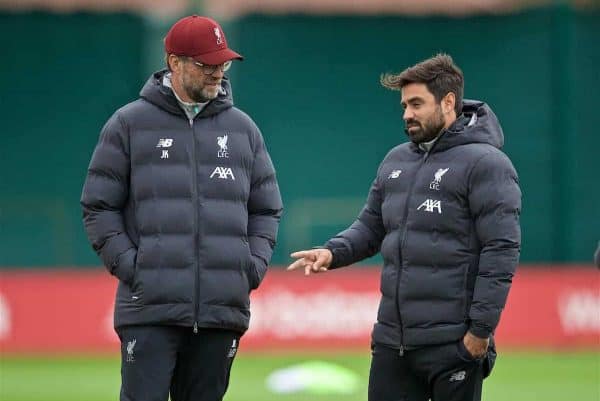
point(439, 174)
point(222, 142)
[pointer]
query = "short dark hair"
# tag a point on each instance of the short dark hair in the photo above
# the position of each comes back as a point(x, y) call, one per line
point(438, 73)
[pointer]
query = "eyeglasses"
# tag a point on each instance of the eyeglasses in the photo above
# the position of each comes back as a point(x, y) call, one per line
point(210, 69)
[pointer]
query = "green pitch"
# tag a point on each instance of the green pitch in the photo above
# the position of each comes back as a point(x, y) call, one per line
point(523, 376)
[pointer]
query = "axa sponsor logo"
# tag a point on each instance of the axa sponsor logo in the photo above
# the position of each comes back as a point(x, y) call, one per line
point(437, 178)
point(223, 173)
point(431, 205)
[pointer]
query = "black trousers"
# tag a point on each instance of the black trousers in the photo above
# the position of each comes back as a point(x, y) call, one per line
point(441, 373)
point(160, 360)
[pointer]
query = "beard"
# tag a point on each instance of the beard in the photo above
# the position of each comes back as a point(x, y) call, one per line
point(198, 93)
point(427, 130)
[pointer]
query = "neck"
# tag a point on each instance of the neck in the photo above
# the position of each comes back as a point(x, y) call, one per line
point(449, 120)
point(181, 94)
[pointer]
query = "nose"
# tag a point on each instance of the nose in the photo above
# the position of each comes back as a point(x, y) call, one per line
point(408, 114)
point(219, 73)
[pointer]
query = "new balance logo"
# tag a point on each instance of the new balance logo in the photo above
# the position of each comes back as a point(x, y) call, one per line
point(233, 349)
point(430, 205)
point(164, 143)
point(223, 173)
point(395, 174)
point(458, 376)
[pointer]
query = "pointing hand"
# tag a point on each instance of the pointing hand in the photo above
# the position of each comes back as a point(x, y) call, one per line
point(313, 260)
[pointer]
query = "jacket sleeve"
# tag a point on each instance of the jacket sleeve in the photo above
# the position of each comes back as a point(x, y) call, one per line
point(495, 202)
point(264, 210)
point(104, 196)
point(363, 238)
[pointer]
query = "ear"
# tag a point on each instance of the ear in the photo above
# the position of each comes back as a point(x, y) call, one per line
point(174, 62)
point(448, 102)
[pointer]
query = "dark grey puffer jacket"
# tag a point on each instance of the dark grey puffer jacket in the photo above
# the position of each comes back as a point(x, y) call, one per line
point(447, 225)
point(184, 213)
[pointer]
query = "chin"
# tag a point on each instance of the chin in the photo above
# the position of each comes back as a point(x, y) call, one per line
point(416, 137)
point(212, 94)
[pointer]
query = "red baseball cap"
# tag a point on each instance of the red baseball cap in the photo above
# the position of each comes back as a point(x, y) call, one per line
point(200, 38)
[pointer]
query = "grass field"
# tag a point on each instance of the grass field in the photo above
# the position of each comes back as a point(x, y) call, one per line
point(518, 376)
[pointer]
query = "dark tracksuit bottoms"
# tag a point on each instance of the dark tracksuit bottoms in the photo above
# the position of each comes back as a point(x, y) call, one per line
point(444, 372)
point(160, 360)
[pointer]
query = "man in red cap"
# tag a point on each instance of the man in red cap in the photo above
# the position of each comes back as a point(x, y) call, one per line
point(182, 205)
point(195, 46)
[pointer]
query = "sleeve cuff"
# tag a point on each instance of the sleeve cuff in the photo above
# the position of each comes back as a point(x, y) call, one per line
point(480, 331)
point(335, 260)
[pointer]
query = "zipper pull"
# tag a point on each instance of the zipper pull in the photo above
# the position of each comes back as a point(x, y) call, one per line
point(195, 327)
point(401, 350)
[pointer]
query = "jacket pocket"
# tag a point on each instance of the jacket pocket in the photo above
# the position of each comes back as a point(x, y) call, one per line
point(124, 266)
point(248, 267)
point(135, 284)
point(490, 358)
point(463, 352)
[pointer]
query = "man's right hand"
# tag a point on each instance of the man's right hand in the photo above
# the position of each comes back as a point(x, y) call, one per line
point(313, 260)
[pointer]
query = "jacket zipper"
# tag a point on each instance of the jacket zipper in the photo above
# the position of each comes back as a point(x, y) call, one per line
point(403, 238)
point(196, 226)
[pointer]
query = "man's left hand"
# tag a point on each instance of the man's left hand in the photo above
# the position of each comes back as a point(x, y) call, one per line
point(476, 346)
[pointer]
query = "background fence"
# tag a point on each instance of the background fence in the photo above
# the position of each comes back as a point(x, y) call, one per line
point(311, 84)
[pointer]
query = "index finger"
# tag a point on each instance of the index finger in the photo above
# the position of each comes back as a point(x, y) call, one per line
point(301, 254)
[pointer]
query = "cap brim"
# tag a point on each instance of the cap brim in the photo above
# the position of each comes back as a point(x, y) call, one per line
point(218, 57)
